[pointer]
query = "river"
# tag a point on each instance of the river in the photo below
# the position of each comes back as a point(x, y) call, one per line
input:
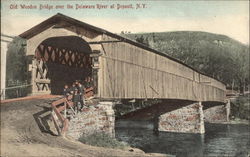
point(229, 140)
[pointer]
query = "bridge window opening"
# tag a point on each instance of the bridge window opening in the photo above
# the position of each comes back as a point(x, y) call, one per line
point(60, 61)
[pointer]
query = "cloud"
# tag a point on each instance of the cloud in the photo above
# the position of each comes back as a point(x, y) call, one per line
point(18, 24)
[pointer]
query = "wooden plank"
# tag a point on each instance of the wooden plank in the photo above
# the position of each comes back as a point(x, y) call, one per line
point(130, 82)
point(46, 81)
point(33, 76)
point(109, 78)
point(56, 124)
point(40, 71)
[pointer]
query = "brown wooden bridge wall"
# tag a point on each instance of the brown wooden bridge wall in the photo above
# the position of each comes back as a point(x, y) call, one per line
point(126, 69)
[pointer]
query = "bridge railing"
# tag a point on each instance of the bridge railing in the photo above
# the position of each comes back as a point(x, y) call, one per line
point(17, 91)
point(61, 122)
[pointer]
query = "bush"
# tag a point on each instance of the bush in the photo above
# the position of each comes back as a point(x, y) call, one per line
point(102, 140)
point(240, 108)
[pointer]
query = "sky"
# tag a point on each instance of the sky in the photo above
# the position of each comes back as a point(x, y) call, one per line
point(230, 18)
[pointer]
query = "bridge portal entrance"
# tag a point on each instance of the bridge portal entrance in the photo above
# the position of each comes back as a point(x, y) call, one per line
point(59, 61)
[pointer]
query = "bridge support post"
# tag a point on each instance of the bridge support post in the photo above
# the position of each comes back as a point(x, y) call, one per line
point(33, 77)
point(110, 117)
point(228, 109)
point(188, 119)
point(93, 119)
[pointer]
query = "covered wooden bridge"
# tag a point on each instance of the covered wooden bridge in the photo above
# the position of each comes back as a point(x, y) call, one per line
point(64, 49)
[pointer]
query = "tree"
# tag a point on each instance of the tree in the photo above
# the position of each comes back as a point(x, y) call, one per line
point(142, 40)
point(16, 64)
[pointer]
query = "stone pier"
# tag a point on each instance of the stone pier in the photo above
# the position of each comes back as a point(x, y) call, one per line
point(188, 119)
point(93, 119)
point(217, 114)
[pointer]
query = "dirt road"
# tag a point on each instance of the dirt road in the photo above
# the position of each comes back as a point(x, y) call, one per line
point(25, 132)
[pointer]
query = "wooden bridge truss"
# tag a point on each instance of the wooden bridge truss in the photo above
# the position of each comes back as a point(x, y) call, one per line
point(45, 54)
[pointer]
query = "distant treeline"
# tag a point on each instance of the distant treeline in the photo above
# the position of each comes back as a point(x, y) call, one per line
point(216, 55)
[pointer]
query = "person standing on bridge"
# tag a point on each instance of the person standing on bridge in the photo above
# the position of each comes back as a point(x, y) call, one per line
point(81, 90)
point(76, 97)
point(66, 91)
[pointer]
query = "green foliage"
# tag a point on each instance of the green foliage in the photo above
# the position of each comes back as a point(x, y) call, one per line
point(16, 68)
point(102, 140)
point(216, 55)
point(142, 40)
point(240, 107)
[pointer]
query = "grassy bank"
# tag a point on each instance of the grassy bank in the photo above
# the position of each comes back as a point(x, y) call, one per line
point(102, 140)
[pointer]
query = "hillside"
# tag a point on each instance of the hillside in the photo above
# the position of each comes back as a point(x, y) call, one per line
point(216, 55)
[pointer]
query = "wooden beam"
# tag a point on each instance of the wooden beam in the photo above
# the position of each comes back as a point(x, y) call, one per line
point(100, 42)
point(46, 81)
point(40, 70)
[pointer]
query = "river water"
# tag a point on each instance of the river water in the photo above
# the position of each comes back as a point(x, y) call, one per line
point(229, 140)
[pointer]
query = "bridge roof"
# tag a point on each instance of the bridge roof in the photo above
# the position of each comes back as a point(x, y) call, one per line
point(60, 17)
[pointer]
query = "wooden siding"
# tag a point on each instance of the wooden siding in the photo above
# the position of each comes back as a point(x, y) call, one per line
point(132, 72)
point(128, 69)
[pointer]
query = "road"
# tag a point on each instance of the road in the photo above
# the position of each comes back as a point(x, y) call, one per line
point(25, 131)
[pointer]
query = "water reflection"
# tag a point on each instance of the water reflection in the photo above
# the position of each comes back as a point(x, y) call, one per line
point(219, 140)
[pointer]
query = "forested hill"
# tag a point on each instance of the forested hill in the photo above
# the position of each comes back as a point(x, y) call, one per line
point(216, 55)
